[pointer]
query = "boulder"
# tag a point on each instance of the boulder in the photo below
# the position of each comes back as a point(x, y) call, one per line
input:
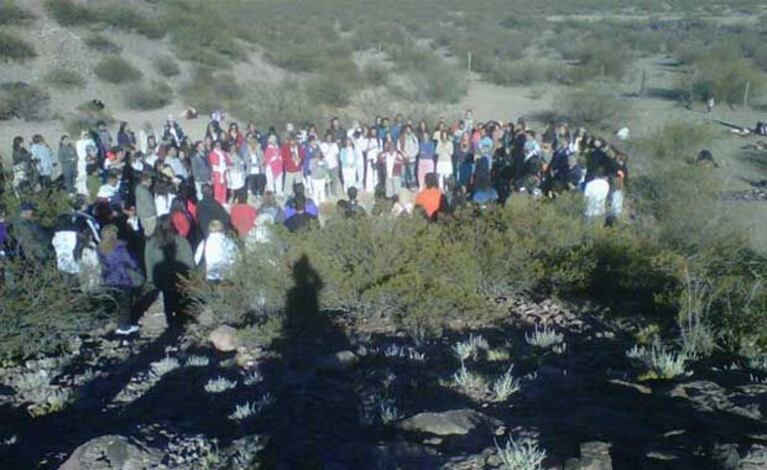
point(110, 452)
point(449, 423)
point(224, 338)
point(338, 362)
point(594, 456)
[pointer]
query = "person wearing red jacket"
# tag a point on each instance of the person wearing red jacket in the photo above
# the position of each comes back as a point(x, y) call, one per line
point(243, 215)
point(292, 162)
point(219, 163)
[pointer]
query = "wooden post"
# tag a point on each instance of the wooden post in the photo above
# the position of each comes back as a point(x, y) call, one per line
point(468, 66)
point(643, 83)
point(745, 94)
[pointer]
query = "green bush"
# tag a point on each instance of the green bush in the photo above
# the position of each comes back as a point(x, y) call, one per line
point(40, 315)
point(718, 73)
point(129, 19)
point(166, 66)
point(23, 100)
point(116, 70)
point(674, 143)
point(85, 117)
point(13, 48)
point(523, 72)
point(375, 74)
point(327, 90)
point(101, 43)
point(63, 78)
point(69, 12)
point(11, 14)
point(148, 97)
point(593, 106)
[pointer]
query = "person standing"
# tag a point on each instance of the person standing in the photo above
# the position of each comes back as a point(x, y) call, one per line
point(596, 193)
point(68, 161)
point(218, 253)
point(42, 155)
point(331, 154)
point(219, 164)
point(348, 157)
point(200, 168)
point(120, 274)
point(408, 147)
point(393, 162)
point(169, 259)
point(292, 162)
point(445, 150)
point(273, 166)
point(86, 154)
point(146, 209)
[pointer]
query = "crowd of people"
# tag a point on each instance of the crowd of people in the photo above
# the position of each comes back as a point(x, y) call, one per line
point(149, 207)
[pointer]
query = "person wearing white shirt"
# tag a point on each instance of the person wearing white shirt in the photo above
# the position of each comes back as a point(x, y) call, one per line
point(596, 192)
point(218, 252)
point(373, 149)
point(331, 152)
point(86, 150)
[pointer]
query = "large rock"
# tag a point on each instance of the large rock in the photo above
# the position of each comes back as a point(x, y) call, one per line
point(448, 423)
point(110, 452)
point(594, 456)
point(338, 362)
point(224, 338)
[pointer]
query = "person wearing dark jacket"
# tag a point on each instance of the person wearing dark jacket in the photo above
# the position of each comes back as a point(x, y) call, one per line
point(208, 210)
point(33, 241)
point(120, 274)
point(169, 259)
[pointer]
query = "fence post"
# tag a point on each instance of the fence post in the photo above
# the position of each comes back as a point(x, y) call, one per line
point(643, 83)
point(468, 66)
point(745, 94)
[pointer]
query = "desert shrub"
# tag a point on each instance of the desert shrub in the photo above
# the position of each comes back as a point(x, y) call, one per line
point(256, 293)
point(326, 89)
point(597, 57)
point(23, 100)
point(69, 12)
point(40, 314)
point(200, 34)
point(760, 57)
point(85, 117)
point(116, 70)
point(592, 105)
point(166, 66)
point(101, 43)
point(13, 48)
point(719, 73)
point(10, 14)
point(375, 74)
point(523, 72)
point(63, 78)
point(146, 97)
point(127, 18)
point(276, 104)
point(676, 142)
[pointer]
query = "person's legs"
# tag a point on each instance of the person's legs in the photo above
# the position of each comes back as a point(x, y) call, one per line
point(279, 184)
point(123, 297)
point(335, 182)
point(396, 185)
point(318, 188)
point(349, 177)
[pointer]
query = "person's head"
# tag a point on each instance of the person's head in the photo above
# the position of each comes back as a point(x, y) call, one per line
point(27, 211)
point(101, 126)
point(123, 126)
point(431, 181)
point(216, 226)
point(443, 135)
point(242, 196)
point(172, 152)
point(389, 145)
point(38, 139)
point(385, 121)
point(18, 141)
point(207, 191)
point(335, 123)
point(272, 140)
point(108, 239)
point(352, 193)
point(64, 140)
point(330, 138)
point(298, 188)
point(299, 203)
point(373, 132)
point(146, 180)
point(112, 178)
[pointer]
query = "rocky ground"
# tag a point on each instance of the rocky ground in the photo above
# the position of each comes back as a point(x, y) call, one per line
point(338, 395)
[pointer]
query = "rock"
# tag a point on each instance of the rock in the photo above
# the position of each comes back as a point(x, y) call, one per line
point(449, 423)
point(643, 389)
point(338, 362)
point(594, 456)
point(111, 452)
point(224, 338)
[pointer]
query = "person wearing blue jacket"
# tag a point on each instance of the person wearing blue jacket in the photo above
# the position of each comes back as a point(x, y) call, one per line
point(120, 274)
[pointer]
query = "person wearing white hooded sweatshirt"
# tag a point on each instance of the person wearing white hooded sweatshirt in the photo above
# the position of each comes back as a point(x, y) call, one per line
point(596, 192)
point(218, 252)
point(86, 149)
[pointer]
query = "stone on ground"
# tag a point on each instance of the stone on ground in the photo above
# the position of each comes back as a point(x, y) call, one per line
point(111, 452)
point(449, 423)
point(224, 338)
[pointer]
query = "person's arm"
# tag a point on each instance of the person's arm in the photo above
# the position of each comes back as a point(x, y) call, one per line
point(199, 253)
